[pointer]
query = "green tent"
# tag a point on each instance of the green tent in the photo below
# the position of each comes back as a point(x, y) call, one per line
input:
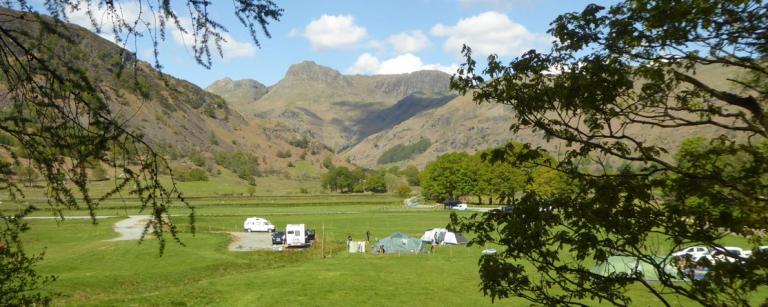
point(397, 243)
point(630, 265)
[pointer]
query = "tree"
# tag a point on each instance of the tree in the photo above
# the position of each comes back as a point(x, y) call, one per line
point(411, 174)
point(59, 112)
point(342, 179)
point(447, 177)
point(27, 174)
point(376, 182)
point(612, 75)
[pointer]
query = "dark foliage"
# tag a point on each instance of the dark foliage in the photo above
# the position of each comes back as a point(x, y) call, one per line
point(611, 73)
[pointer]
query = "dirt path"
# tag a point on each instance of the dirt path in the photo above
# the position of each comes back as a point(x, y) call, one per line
point(250, 241)
point(130, 228)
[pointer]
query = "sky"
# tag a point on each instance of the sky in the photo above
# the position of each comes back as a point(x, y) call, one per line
point(356, 37)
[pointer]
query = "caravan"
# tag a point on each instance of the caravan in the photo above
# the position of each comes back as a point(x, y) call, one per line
point(295, 235)
point(258, 224)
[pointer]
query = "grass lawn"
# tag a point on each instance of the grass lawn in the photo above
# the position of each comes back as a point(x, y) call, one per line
point(203, 273)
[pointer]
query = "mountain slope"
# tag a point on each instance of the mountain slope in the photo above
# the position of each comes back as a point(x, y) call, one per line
point(238, 93)
point(170, 113)
point(330, 107)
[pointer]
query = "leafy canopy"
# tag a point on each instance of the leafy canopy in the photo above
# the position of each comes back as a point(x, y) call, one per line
point(611, 75)
point(60, 114)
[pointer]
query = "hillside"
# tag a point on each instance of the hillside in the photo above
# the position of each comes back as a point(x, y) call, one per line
point(175, 116)
point(401, 119)
point(462, 125)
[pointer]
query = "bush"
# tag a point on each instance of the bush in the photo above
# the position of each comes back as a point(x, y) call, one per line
point(197, 158)
point(99, 173)
point(302, 143)
point(245, 165)
point(193, 174)
point(403, 190)
point(284, 154)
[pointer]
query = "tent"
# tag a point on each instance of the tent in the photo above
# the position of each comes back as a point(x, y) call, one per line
point(454, 238)
point(630, 265)
point(397, 243)
point(443, 236)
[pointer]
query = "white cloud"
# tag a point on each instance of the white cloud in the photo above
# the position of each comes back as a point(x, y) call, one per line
point(106, 21)
point(407, 42)
point(488, 33)
point(131, 11)
point(497, 4)
point(366, 64)
point(294, 33)
point(230, 47)
point(334, 32)
point(406, 63)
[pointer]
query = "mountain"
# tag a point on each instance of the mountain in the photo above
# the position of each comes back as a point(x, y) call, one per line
point(457, 125)
point(238, 93)
point(336, 109)
point(172, 114)
point(410, 118)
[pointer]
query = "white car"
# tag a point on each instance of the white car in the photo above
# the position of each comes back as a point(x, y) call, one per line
point(258, 224)
point(729, 254)
point(695, 252)
point(460, 207)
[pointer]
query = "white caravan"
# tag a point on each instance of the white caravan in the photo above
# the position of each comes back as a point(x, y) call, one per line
point(295, 235)
point(258, 224)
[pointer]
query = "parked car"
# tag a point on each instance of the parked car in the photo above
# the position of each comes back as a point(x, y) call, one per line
point(449, 204)
point(310, 236)
point(278, 238)
point(460, 207)
point(729, 254)
point(257, 224)
point(507, 209)
point(695, 252)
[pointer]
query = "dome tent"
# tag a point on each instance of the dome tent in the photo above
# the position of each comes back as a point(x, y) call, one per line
point(631, 265)
point(397, 243)
point(443, 236)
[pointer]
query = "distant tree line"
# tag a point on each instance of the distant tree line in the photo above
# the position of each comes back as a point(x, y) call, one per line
point(496, 175)
point(345, 180)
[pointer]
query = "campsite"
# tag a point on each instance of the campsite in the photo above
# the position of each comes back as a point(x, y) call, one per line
point(316, 153)
point(204, 272)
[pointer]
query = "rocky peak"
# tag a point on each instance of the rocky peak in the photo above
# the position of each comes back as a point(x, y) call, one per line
point(238, 91)
point(311, 71)
point(430, 82)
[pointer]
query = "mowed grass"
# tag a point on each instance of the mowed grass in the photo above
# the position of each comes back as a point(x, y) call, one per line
point(95, 272)
point(92, 271)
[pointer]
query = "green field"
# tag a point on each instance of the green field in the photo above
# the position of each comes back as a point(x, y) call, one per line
point(92, 271)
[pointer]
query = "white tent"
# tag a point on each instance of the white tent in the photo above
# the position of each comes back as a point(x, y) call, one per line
point(442, 236)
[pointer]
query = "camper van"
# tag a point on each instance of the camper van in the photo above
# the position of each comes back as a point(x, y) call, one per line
point(257, 224)
point(295, 235)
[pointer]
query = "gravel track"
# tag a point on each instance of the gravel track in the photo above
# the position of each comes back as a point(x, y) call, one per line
point(250, 241)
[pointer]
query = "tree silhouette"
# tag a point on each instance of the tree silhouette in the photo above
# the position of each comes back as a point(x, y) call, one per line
point(612, 74)
point(60, 114)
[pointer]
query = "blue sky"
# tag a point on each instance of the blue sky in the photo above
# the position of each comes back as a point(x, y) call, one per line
point(365, 37)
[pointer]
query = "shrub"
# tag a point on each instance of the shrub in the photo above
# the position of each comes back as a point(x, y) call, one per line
point(193, 174)
point(283, 154)
point(403, 190)
point(302, 143)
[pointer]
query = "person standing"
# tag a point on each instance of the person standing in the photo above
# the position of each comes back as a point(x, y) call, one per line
point(368, 236)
